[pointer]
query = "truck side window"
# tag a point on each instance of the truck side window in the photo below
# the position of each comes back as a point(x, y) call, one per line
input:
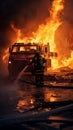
point(45, 49)
point(15, 49)
point(22, 48)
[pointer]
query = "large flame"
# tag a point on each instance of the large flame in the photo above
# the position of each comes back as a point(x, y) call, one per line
point(46, 33)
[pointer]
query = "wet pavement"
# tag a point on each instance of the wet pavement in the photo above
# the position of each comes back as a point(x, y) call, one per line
point(22, 96)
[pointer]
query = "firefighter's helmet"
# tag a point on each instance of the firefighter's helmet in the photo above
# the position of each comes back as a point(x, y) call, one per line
point(37, 53)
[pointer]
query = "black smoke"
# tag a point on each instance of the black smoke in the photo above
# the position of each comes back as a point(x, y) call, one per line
point(24, 14)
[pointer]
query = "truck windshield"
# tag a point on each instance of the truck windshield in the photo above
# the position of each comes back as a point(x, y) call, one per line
point(29, 49)
point(24, 49)
point(15, 49)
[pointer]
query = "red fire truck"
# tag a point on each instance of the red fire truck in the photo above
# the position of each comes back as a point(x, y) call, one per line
point(21, 54)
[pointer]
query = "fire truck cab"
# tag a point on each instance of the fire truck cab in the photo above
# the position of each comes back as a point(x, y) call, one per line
point(21, 54)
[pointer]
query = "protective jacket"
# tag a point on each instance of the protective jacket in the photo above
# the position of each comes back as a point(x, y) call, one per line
point(38, 62)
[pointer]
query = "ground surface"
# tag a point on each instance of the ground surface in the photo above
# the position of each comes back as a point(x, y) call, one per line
point(21, 96)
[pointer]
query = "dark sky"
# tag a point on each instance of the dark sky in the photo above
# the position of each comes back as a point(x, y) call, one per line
point(11, 10)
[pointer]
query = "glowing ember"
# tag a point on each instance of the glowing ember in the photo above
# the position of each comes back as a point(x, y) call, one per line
point(25, 104)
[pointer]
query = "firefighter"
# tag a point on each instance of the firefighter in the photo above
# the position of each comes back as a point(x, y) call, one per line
point(38, 62)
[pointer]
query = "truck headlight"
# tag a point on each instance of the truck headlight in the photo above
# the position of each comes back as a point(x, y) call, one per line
point(10, 62)
point(30, 60)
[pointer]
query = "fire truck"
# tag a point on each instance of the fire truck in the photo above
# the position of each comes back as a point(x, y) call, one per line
point(21, 54)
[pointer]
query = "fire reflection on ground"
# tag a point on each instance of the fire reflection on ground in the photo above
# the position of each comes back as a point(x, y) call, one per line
point(32, 97)
point(24, 97)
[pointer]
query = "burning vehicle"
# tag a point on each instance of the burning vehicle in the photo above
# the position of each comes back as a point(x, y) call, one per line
point(21, 54)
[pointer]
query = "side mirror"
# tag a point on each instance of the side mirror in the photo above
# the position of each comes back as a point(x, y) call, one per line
point(9, 50)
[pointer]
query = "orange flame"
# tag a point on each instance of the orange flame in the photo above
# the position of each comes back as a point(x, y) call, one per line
point(25, 104)
point(19, 38)
point(69, 61)
point(45, 32)
point(5, 56)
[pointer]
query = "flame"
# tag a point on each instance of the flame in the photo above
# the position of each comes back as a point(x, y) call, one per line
point(69, 61)
point(19, 38)
point(25, 104)
point(5, 56)
point(45, 32)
